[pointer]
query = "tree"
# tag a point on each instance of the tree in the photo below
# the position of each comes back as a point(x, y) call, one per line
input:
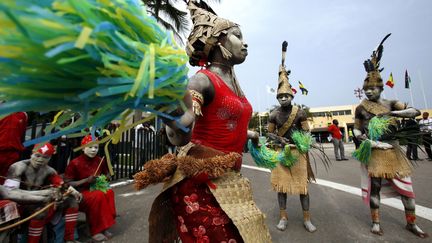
point(169, 15)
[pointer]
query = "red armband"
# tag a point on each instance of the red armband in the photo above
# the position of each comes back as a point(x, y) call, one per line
point(56, 180)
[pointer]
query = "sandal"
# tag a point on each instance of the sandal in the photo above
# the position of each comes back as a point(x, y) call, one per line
point(108, 234)
point(99, 238)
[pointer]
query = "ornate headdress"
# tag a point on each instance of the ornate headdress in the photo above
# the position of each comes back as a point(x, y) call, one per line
point(284, 87)
point(373, 78)
point(207, 27)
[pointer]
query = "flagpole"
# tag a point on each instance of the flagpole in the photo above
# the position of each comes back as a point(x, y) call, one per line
point(260, 126)
point(422, 88)
point(259, 110)
point(395, 94)
point(412, 100)
point(259, 100)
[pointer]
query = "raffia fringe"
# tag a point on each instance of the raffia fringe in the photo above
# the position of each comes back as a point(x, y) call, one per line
point(389, 163)
point(292, 181)
point(294, 190)
point(234, 195)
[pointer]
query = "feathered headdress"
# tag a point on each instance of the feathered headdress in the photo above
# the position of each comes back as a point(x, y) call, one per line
point(372, 67)
point(284, 87)
point(207, 27)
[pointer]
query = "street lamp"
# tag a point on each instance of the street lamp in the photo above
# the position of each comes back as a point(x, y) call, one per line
point(358, 93)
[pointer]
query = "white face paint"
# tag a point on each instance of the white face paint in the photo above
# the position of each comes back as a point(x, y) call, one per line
point(38, 160)
point(91, 151)
point(284, 99)
point(235, 44)
point(373, 93)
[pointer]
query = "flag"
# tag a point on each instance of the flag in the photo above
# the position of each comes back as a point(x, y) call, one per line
point(407, 80)
point(390, 81)
point(294, 90)
point(303, 89)
point(271, 90)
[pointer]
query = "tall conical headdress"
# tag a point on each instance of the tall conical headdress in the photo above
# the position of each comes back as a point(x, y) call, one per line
point(207, 27)
point(372, 67)
point(284, 87)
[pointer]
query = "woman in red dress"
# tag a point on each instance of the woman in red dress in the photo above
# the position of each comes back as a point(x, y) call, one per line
point(205, 206)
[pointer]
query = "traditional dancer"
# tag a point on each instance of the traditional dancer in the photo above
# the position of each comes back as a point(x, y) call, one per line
point(387, 161)
point(98, 205)
point(283, 121)
point(210, 201)
point(33, 174)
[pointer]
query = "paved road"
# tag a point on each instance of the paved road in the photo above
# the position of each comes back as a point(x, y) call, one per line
point(338, 215)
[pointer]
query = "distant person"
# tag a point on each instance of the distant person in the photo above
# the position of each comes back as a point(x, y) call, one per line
point(336, 134)
point(350, 135)
point(12, 130)
point(413, 128)
point(426, 129)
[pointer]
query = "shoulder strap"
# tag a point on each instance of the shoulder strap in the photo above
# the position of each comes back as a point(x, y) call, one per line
point(288, 123)
point(374, 107)
point(214, 78)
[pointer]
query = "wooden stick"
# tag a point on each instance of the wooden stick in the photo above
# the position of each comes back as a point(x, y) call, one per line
point(33, 215)
point(100, 163)
point(28, 218)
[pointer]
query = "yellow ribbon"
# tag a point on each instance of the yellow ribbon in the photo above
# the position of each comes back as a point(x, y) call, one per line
point(83, 37)
point(56, 117)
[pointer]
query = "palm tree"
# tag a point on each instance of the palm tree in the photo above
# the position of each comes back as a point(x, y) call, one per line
point(172, 18)
point(169, 15)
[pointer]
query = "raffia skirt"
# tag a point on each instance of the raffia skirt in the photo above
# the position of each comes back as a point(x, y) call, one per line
point(292, 180)
point(389, 163)
point(233, 194)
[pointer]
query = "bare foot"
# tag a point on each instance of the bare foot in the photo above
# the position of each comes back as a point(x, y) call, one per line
point(376, 229)
point(282, 225)
point(416, 230)
point(309, 226)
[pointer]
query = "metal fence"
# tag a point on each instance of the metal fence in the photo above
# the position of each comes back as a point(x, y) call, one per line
point(127, 156)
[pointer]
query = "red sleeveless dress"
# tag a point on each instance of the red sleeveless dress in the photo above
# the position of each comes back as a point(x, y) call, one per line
point(223, 127)
point(225, 121)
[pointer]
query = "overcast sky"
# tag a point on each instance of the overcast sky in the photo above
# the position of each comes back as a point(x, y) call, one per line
point(328, 42)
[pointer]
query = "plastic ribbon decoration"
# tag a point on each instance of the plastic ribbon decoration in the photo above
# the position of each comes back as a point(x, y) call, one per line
point(377, 127)
point(94, 60)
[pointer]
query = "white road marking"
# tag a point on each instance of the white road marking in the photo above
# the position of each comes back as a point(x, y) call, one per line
point(421, 211)
point(133, 193)
point(121, 183)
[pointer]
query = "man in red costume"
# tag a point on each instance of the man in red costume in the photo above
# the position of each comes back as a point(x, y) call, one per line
point(33, 174)
point(12, 129)
point(98, 206)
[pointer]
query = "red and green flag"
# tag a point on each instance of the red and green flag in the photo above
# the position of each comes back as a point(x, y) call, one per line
point(390, 81)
